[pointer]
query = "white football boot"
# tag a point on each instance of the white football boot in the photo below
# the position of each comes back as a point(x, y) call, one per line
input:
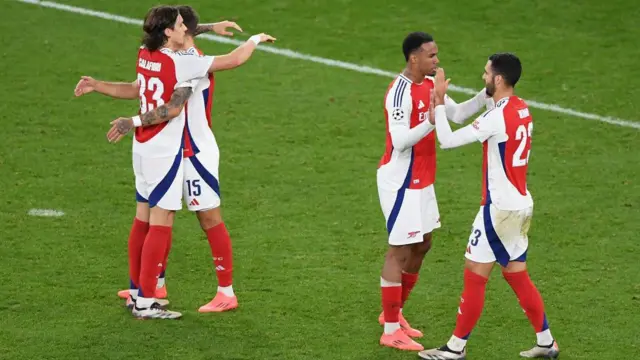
point(155, 311)
point(443, 353)
point(542, 352)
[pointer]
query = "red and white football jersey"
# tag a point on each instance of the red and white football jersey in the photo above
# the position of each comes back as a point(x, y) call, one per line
point(505, 133)
point(406, 105)
point(159, 74)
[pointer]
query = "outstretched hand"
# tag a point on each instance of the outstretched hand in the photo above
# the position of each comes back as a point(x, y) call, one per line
point(266, 38)
point(119, 128)
point(86, 85)
point(441, 85)
point(221, 27)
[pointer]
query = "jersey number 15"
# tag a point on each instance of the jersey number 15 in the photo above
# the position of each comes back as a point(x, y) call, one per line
point(153, 84)
point(522, 134)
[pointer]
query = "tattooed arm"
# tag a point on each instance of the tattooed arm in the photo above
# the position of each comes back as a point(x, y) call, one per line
point(203, 28)
point(169, 110)
point(121, 126)
point(219, 28)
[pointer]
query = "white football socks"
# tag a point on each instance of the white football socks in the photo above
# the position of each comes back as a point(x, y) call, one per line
point(226, 290)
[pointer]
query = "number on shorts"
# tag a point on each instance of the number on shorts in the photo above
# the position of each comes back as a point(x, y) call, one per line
point(477, 233)
point(193, 187)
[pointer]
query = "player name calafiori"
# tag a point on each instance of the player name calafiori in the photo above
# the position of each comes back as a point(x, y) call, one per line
point(149, 65)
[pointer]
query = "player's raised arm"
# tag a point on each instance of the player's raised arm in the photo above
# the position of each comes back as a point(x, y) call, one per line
point(239, 55)
point(459, 113)
point(398, 108)
point(446, 137)
point(219, 28)
point(118, 90)
point(121, 126)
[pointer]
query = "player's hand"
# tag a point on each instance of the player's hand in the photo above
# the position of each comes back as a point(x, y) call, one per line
point(86, 85)
point(432, 108)
point(266, 38)
point(220, 28)
point(119, 128)
point(441, 86)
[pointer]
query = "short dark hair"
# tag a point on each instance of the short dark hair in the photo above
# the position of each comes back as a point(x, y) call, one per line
point(413, 42)
point(190, 18)
point(508, 66)
point(158, 19)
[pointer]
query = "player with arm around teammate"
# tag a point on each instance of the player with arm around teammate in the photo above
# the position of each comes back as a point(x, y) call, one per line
point(168, 78)
point(499, 231)
point(201, 157)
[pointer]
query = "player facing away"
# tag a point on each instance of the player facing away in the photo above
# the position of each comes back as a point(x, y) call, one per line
point(499, 231)
point(405, 178)
point(167, 78)
point(201, 157)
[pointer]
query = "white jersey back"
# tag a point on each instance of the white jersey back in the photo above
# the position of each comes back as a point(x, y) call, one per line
point(505, 133)
point(159, 74)
point(199, 137)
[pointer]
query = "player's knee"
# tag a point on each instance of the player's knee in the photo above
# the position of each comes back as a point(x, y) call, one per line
point(161, 217)
point(397, 254)
point(515, 267)
point(142, 211)
point(209, 218)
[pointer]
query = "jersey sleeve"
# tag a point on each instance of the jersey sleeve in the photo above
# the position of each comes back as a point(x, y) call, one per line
point(487, 125)
point(190, 68)
point(398, 106)
point(448, 138)
point(460, 112)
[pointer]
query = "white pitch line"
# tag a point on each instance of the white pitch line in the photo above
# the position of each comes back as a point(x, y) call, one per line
point(46, 212)
point(330, 62)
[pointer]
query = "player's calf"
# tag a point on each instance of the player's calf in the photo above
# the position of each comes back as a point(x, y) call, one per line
point(530, 300)
point(222, 253)
point(417, 254)
point(153, 255)
point(391, 283)
point(391, 287)
point(209, 218)
point(394, 262)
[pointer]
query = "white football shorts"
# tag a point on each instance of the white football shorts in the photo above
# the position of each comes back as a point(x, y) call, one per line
point(159, 181)
point(499, 235)
point(409, 213)
point(201, 189)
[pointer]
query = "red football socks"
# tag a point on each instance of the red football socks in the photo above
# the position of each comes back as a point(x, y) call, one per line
point(391, 302)
point(153, 255)
point(220, 244)
point(137, 235)
point(529, 298)
point(471, 304)
point(166, 257)
point(408, 282)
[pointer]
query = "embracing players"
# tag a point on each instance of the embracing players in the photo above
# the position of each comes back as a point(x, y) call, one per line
point(168, 79)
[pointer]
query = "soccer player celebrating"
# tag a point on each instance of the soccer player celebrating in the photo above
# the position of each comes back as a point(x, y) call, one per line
point(167, 78)
point(405, 179)
point(499, 232)
point(201, 155)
